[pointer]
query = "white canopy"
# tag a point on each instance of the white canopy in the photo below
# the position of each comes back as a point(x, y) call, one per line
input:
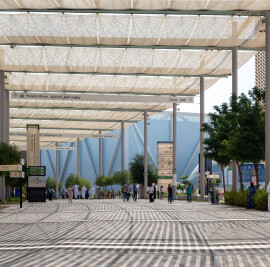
point(142, 47)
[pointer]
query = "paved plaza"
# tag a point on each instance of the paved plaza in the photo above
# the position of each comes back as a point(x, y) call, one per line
point(117, 233)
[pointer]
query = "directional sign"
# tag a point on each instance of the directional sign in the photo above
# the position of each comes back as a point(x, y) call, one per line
point(17, 175)
point(10, 168)
point(101, 97)
point(68, 135)
point(212, 176)
point(36, 171)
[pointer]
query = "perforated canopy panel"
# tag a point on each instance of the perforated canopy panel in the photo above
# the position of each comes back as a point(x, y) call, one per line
point(120, 47)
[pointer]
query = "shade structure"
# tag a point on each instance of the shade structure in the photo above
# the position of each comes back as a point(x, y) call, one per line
point(142, 47)
point(134, 30)
point(138, 4)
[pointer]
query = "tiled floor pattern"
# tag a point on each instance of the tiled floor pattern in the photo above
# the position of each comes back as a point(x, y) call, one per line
point(117, 233)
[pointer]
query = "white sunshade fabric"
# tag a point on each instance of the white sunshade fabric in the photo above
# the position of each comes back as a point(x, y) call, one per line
point(119, 60)
point(138, 4)
point(126, 29)
point(105, 84)
point(112, 53)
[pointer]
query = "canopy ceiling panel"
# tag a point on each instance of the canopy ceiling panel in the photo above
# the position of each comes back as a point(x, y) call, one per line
point(22, 130)
point(125, 29)
point(138, 4)
point(65, 105)
point(73, 114)
point(44, 139)
point(118, 60)
point(105, 84)
point(22, 144)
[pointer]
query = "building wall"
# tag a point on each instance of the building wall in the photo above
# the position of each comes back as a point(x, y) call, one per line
point(159, 129)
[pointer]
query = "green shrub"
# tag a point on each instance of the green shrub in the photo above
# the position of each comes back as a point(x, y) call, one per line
point(261, 200)
point(14, 200)
point(236, 198)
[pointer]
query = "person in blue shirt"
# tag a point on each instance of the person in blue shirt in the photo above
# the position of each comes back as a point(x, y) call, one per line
point(189, 192)
point(250, 193)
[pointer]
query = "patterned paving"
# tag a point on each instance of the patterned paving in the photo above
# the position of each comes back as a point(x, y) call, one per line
point(117, 233)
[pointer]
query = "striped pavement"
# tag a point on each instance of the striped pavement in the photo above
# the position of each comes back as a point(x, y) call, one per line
point(117, 233)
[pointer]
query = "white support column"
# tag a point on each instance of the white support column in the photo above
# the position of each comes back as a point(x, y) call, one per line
point(174, 143)
point(2, 130)
point(7, 116)
point(267, 98)
point(202, 160)
point(57, 171)
point(78, 158)
point(145, 156)
point(234, 91)
point(100, 154)
point(122, 146)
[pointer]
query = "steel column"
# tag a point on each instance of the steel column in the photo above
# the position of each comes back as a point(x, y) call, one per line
point(145, 157)
point(267, 99)
point(100, 154)
point(202, 161)
point(57, 171)
point(78, 158)
point(2, 129)
point(234, 91)
point(7, 116)
point(122, 147)
point(174, 143)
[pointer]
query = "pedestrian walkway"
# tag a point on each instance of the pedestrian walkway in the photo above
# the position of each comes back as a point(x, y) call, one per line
point(117, 233)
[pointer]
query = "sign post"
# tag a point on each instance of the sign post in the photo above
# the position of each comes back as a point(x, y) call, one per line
point(35, 172)
point(165, 163)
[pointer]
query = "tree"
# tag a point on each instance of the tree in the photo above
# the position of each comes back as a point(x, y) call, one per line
point(104, 181)
point(72, 179)
point(247, 140)
point(84, 182)
point(136, 167)
point(122, 177)
point(218, 130)
point(183, 183)
point(51, 182)
point(10, 155)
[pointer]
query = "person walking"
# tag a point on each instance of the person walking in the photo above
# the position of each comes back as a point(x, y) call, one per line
point(50, 191)
point(123, 189)
point(83, 191)
point(128, 191)
point(76, 191)
point(70, 193)
point(63, 193)
point(250, 192)
point(155, 191)
point(189, 192)
point(268, 191)
point(170, 192)
point(173, 192)
point(135, 192)
point(161, 192)
point(92, 192)
point(151, 193)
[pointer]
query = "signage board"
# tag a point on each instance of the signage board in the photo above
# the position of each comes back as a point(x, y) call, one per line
point(33, 151)
point(68, 135)
point(165, 159)
point(10, 168)
point(36, 181)
point(212, 176)
point(36, 171)
point(17, 175)
point(101, 97)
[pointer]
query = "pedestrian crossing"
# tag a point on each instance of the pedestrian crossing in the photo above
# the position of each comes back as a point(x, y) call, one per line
point(117, 233)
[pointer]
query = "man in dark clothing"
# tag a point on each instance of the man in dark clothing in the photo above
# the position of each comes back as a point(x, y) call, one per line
point(250, 192)
point(170, 194)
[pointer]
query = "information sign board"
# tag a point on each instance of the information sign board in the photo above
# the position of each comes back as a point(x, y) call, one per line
point(36, 181)
point(17, 175)
point(36, 171)
point(33, 151)
point(165, 159)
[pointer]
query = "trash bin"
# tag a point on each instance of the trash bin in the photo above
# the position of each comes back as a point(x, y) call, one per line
point(212, 196)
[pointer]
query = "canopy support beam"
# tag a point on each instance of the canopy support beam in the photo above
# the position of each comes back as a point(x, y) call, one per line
point(145, 157)
point(174, 143)
point(78, 158)
point(234, 91)
point(182, 47)
point(122, 146)
point(100, 155)
point(57, 171)
point(267, 99)
point(122, 74)
point(202, 160)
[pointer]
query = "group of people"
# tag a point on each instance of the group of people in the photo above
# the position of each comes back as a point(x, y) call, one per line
point(74, 190)
point(128, 191)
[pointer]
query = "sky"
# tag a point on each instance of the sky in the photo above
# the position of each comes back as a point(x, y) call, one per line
point(221, 91)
